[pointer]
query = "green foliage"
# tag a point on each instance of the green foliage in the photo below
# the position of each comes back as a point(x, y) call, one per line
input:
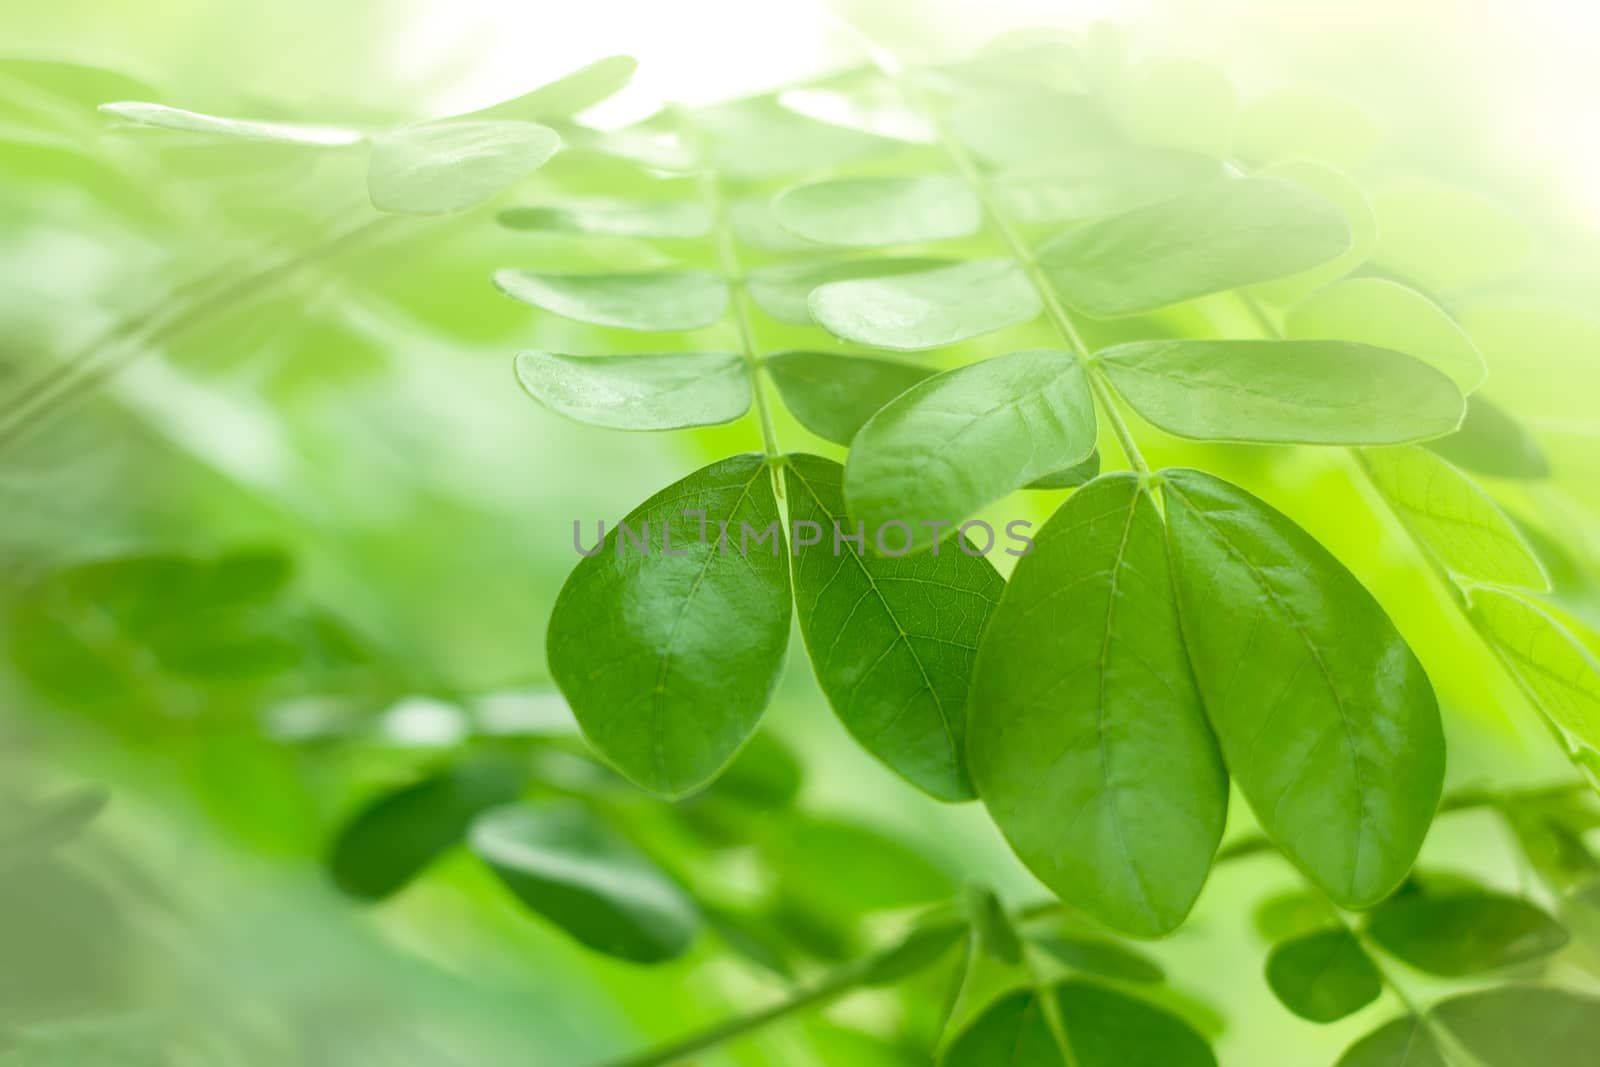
point(1460, 933)
point(1323, 976)
point(655, 301)
point(439, 169)
point(658, 392)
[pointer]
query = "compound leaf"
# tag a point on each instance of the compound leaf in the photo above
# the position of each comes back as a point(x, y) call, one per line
point(927, 309)
point(644, 300)
point(639, 392)
point(440, 168)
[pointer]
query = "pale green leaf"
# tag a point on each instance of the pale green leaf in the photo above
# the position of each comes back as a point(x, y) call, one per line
point(1229, 234)
point(1338, 189)
point(757, 139)
point(1558, 671)
point(879, 211)
point(834, 395)
point(1100, 182)
point(783, 290)
point(1183, 104)
point(1308, 392)
point(753, 225)
point(878, 108)
point(1323, 976)
point(567, 95)
point(1523, 1026)
point(639, 392)
point(613, 218)
point(1385, 314)
point(1089, 744)
point(1453, 518)
point(1030, 128)
point(440, 168)
point(962, 439)
point(1446, 238)
point(1462, 933)
point(927, 309)
point(1405, 1042)
point(892, 640)
point(1304, 124)
point(173, 118)
point(669, 654)
point(564, 865)
point(1491, 442)
point(642, 300)
point(1327, 722)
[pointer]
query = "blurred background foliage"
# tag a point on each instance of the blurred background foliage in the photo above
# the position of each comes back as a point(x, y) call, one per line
point(290, 541)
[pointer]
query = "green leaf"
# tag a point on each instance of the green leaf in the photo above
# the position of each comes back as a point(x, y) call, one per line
point(850, 869)
point(1226, 235)
point(1290, 124)
point(1070, 477)
point(1030, 128)
point(173, 118)
point(1304, 392)
point(648, 392)
point(920, 949)
point(1088, 741)
point(1524, 1026)
point(1462, 933)
point(834, 395)
point(784, 289)
point(442, 168)
point(927, 309)
point(1289, 915)
point(1327, 722)
point(566, 866)
point(669, 659)
point(1106, 959)
point(892, 639)
point(1323, 976)
point(877, 107)
point(1445, 238)
point(1011, 1032)
point(1385, 314)
point(1104, 1028)
point(567, 95)
point(996, 937)
point(1557, 670)
point(879, 211)
point(1492, 442)
point(1453, 518)
point(962, 439)
point(1183, 104)
point(390, 841)
point(756, 139)
point(613, 218)
point(661, 301)
point(1100, 182)
point(1338, 189)
point(1405, 1042)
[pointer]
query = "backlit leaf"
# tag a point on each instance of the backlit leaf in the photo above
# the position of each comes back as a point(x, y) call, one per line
point(927, 309)
point(1454, 934)
point(962, 439)
point(613, 218)
point(649, 392)
point(1089, 744)
point(567, 95)
point(879, 211)
point(1101, 182)
point(1378, 312)
point(850, 868)
point(1445, 238)
point(784, 289)
point(1030, 128)
point(1492, 442)
point(1183, 104)
point(1557, 670)
point(1070, 477)
point(646, 300)
point(668, 654)
point(1327, 722)
point(833, 395)
point(878, 109)
point(446, 167)
point(1337, 189)
point(173, 118)
point(1323, 976)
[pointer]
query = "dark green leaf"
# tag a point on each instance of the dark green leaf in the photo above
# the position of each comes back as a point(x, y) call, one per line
point(669, 654)
point(652, 392)
point(879, 211)
point(1011, 1032)
point(1229, 234)
point(1327, 722)
point(1088, 741)
point(658, 300)
point(1111, 1029)
point(1406, 1042)
point(1524, 1026)
point(1323, 976)
point(892, 639)
point(927, 309)
point(442, 168)
point(834, 395)
point(1492, 442)
point(574, 871)
point(1461, 933)
point(1308, 392)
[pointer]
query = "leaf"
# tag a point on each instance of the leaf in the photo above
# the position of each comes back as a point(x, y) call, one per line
point(569, 868)
point(755, 139)
point(1305, 124)
point(1524, 1026)
point(962, 439)
point(783, 290)
point(927, 309)
point(1445, 238)
point(668, 660)
point(1105, 959)
point(1100, 182)
point(996, 937)
point(1323, 976)
point(892, 640)
point(834, 395)
point(1453, 518)
point(649, 392)
point(1088, 741)
point(1304, 392)
point(391, 840)
point(1337, 189)
point(660, 301)
point(173, 118)
point(567, 95)
point(1457, 934)
point(1183, 104)
point(1492, 442)
point(847, 868)
point(613, 218)
point(877, 108)
point(1223, 236)
point(1070, 477)
point(439, 169)
point(1384, 314)
point(1030, 128)
point(1104, 1028)
point(1557, 671)
point(1289, 915)
point(1405, 1042)
point(879, 211)
point(1327, 722)
point(1011, 1032)
point(920, 949)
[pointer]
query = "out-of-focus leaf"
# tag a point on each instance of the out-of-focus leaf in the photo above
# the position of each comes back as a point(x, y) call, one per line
point(784, 290)
point(1029, 129)
point(847, 868)
point(442, 168)
point(833, 395)
point(1378, 312)
point(996, 936)
point(172, 118)
point(668, 645)
point(756, 139)
point(878, 109)
point(1336, 188)
point(651, 392)
point(892, 640)
point(1445, 238)
point(1183, 104)
point(1289, 915)
point(1104, 1028)
point(1304, 124)
point(1323, 976)
point(879, 211)
point(1226, 235)
point(962, 439)
point(1348, 783)
point(1405, 1042)
point(566, 96)
point(1492, 442)
point(613, 218)
point(1558, 671)
point(28, 830)
point(1460, 933)
point(1076, 698)
point(1104, 959)
point(1102, 182)
point(1306, 392)
point(655, 301)
point(571, 869)
point(921, 948)
point(1524, 1026)
point(927, 309)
